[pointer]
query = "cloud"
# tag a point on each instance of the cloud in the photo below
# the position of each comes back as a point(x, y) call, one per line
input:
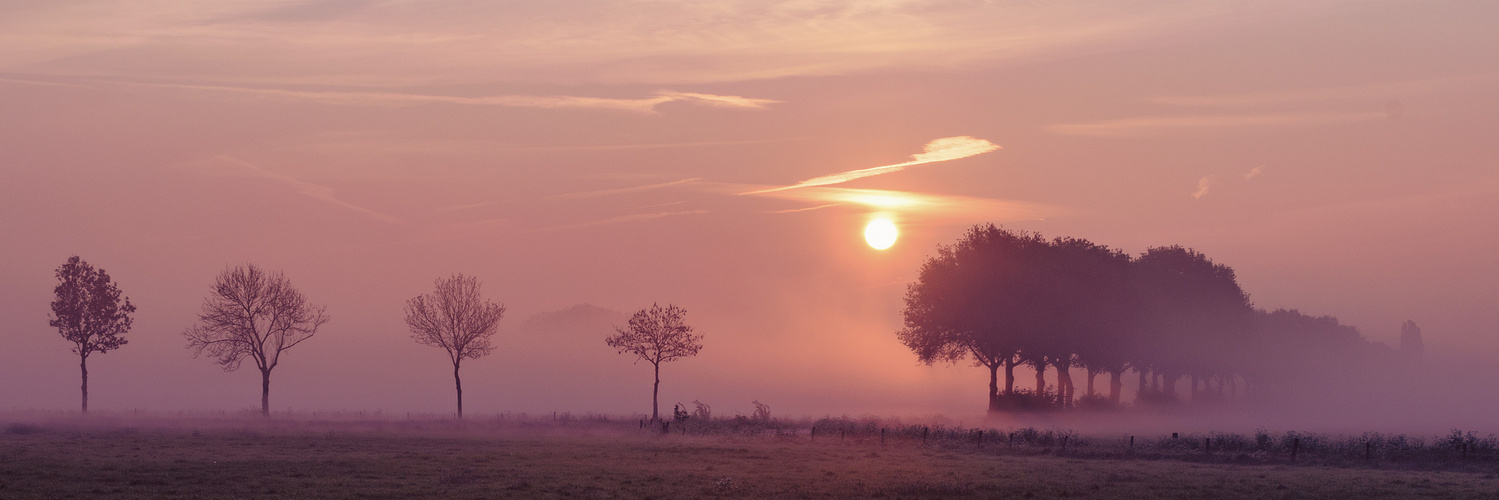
point(1378, 91)
point(309, 189)
point(929, 205)
point(807, 209)
point(1127, 127)
point(634, 189)
point(587, 41)
point(1203, 186)
point(944, 149)
point(1254, 172)
point(641, 105)
point(619, 219)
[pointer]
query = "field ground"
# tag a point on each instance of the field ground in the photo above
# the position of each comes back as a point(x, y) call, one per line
point(258, 461)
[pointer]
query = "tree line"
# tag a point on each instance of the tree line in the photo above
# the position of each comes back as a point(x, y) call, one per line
point(258, 315)
point(1004, 298)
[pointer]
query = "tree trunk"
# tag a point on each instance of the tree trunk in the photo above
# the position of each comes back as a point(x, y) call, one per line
point(83, 365)
point(1064, 382)
point(1040, 378)
point(1116, 386)
point(1010, 375)
point(1091, 374)
point(265, 393)
point(1143, 384)
point(655, 391)
point(458, 384)
point(994, 387)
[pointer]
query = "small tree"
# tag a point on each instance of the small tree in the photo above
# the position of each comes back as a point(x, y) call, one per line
point(1410, 339)
point(89, 313)
point(457, 319)
point(657, 335)
point(253, 314)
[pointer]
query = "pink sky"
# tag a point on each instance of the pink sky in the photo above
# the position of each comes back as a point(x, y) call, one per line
point(1339, 155)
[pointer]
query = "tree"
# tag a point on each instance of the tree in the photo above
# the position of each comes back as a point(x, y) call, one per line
point(976, 298)
point(1410, 339)
point(253, 314)
point(1197, 316)
point(1088, 297)
point(657, 335)
point(457, 319)
point(89, 313)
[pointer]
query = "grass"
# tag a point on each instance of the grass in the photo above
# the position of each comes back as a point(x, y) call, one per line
point(251, 459)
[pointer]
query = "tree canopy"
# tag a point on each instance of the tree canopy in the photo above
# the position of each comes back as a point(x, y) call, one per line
point(1002, 297)
point(90, 312)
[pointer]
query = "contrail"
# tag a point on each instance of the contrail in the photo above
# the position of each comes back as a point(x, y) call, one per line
point(944, 149)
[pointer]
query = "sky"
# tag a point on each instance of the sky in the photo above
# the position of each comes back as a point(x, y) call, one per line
point(587, 158)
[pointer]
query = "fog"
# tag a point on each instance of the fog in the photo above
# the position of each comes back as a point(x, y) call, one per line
point(586, 161)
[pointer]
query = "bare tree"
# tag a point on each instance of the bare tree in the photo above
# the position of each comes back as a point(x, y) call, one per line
point(88, 312)
point(657, 335)
point(253, 314)
point(457, 319)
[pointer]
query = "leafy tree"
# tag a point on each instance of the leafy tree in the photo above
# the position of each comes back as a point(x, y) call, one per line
point(253, 314)
point(456, 318)
point(975, 298)
point(1291, 348)
point(657, 335)
point(1091, 311)
point(89, 312)
point(1194, 312)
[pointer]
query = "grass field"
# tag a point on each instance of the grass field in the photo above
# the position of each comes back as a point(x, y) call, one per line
point(260, 461)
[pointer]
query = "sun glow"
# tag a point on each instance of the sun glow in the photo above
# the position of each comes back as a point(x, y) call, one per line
point(880, 233)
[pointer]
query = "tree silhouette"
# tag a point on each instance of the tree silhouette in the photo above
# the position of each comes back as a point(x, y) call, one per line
point(1089, 302)
point(1196, 314)
point(1410, 339)
point(253, 314)
point(456, 318)
point(975, 298)
point(657, 335)
point(89, 312)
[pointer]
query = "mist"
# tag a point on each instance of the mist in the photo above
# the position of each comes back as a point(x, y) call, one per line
point(584, 162)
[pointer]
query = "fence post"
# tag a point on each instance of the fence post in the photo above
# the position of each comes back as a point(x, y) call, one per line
point(882, 436)
point(1132, 443)
point(924, 431)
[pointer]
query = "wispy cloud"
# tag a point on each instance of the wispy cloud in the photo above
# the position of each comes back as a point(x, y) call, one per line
point(1378, 91)
point(1254, 172)
point(926, 205)
point(1127, 127)
point(1207, 183)
point(633, 189)
point(618, 220)
point(944, 149)
point(807, 209)
point(309, 189)
point(656, 42)
point(640, 105)
point(1204, 185)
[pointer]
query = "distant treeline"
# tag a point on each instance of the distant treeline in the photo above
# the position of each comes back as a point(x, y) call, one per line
point(1005, 298)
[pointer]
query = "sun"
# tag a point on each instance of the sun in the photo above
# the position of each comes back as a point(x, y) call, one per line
point(880, 233)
